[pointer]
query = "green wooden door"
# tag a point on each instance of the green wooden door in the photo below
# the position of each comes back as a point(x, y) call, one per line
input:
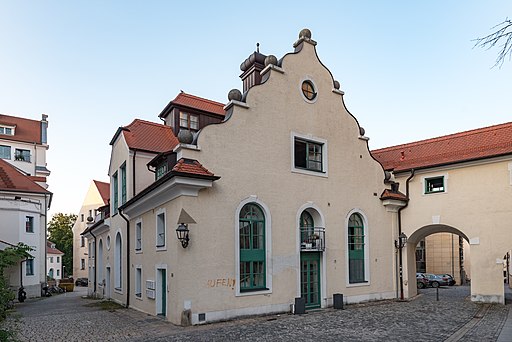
point(310, 279)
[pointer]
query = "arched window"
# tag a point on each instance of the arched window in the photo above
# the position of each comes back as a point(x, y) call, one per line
point(50, 273)
point(118, 262)
point(252, 248)
point(307, 225)
point(356, 242)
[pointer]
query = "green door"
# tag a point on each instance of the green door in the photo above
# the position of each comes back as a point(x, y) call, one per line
point(163, 291)
point(310, 279)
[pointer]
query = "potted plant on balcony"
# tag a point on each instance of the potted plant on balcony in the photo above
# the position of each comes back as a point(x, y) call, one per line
point(315, 238)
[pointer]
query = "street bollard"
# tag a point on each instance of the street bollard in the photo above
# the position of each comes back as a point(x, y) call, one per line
point(437, 294)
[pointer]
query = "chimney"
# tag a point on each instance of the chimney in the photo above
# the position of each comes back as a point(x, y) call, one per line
point(44, 129)
point(251, 68)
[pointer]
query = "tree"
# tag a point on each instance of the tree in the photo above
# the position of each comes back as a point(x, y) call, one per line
point(10, 256)
point(503, 34)
point(60, 232)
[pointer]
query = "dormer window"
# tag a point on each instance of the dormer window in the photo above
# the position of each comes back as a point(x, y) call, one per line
point(161, 170)
point(7, 130)
point(189, 121)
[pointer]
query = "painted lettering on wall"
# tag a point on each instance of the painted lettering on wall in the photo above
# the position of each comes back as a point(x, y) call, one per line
point(221, 282)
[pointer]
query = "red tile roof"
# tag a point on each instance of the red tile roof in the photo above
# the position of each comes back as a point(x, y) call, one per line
point(192, 101)
point(475, 144)
point(149, 136)
point(26, 130)
point(51, 250)
point(191, 166)
point(104, 190)
point(388, 194)
point(13, 180)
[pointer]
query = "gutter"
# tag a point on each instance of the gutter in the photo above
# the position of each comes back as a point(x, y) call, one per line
point(400, 257)
point(127, 257)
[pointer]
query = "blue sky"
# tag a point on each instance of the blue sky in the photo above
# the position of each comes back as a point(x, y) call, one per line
point(408, 68)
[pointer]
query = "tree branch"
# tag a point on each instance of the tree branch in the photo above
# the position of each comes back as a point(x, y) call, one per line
point(503, 33)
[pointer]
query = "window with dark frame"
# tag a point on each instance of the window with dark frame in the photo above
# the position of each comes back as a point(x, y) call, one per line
point(308, 90)
point(115, 195)
point(29, 267)
point(138, 236)
point(29, 224)
point(434, 184)
point(189, 121)
point(138, 282)
point(308, 155)
point(22, 155)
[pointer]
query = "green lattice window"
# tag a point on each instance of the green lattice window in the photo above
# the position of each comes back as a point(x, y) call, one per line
point(252, 248)
point(356, 245)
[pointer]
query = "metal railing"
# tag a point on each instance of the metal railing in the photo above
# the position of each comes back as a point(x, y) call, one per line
point(312, 239)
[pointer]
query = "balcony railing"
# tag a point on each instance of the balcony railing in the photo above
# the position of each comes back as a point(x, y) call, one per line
point(312, 239)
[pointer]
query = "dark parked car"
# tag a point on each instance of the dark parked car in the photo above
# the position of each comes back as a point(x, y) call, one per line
point(421, 280)
point(448, 278)
point(436, 280)
point(82, 282)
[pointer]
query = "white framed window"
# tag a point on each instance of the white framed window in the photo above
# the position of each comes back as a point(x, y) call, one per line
point(51, 259)
point(118, 263)
point(308, 90)
point(58, 273)
point(309, 155)
point(82, 264)
point(138, 282)
point(160, 229)
point(29, 224)
point(5, 152)
point(138, 236)
point(22, 155)
point(7, 130)
point(58, 259)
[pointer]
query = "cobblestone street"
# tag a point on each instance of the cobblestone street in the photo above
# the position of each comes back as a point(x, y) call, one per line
point(69, 317)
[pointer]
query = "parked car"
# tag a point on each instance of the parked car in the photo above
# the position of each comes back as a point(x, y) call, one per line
point(448, 278)
point(421, 281)
point(82, 282)
point(435, 280)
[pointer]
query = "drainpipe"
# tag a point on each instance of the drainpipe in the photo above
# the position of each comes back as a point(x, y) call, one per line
point(400, 257)
point(133, 172)
point(95, 277)
point(127, 258)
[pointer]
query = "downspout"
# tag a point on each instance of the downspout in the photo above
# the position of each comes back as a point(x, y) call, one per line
point(95, 277)
point(127, 258)
point(133, 176)
point(400, 257)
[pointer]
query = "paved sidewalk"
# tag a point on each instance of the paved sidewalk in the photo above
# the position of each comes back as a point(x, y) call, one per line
point(69, 317)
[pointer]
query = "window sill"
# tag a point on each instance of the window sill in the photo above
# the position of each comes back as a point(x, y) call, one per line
point(245, 293)
point(118, 290)
point(161, 248)
point(138, 296)
point(363, 283)
point(309, 172)
point(138, 251)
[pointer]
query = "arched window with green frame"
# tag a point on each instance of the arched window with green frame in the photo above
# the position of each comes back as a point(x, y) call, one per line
point(252, 248)
point(356, 246)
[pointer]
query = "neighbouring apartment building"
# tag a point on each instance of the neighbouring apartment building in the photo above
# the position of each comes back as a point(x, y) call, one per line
point(97, 196)
point(23, 210)
point(24, 200)
point(54, 261)
point(274, 201)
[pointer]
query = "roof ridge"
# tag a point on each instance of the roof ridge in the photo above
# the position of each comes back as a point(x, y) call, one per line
point(147, 122)
point(200, 98)
point(443, 137)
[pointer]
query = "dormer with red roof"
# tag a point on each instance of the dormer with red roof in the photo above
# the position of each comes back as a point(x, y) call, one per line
point(190, 112)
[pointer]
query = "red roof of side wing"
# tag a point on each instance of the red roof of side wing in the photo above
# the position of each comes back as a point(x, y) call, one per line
point(26, 130)
point(13, 180)
point(487, 142)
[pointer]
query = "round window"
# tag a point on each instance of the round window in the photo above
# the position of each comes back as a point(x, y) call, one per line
point(308, 90)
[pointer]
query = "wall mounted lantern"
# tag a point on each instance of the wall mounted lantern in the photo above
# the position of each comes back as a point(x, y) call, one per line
point(182, 232)
point(402, 240)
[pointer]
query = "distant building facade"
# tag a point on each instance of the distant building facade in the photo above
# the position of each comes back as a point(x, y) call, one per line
point(54, 261)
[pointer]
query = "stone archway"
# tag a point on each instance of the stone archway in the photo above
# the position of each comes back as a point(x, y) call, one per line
point(410, 252)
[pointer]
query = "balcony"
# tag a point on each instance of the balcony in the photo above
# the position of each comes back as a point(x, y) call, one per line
point(312, 239)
